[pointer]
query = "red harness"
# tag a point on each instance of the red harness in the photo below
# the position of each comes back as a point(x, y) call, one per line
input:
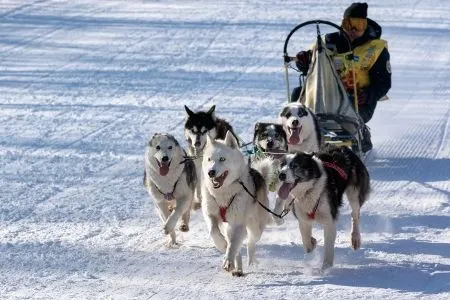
point(338, 169)
point(223, 212)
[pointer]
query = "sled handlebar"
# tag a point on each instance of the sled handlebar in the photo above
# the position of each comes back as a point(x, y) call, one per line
point(315, 22)
point(288, 58)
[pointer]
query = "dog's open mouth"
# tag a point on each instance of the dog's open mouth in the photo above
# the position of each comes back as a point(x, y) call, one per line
point(285, 189)
point(163, 167)
point(294, 135)
point(218, 181)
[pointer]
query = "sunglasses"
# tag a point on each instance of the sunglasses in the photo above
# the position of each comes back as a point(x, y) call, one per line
point(354, 24)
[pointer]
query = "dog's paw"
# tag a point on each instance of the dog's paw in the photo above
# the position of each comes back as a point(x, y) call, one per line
point(172, 243)
point(196, 205)
point(184, 227)
point(311, 247)
point(237, 273)
point(326, 266)
point(356, 240)
point(252, 262)
point(228, 265)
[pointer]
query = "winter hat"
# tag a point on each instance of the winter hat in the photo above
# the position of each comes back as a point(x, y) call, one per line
point(356, 10)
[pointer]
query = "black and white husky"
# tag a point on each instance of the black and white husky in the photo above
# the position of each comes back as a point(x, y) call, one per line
point(198, 126)
point(301, 127)
point(317, 184)
point(232, 196)
point(169, 179)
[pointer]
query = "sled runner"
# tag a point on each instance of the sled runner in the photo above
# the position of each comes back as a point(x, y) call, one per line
point(322, 91)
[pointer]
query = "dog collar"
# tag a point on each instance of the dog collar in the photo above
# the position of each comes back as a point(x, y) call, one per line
point(169, 196)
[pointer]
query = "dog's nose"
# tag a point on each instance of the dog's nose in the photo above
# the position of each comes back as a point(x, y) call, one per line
point(295, 123)
point(165, 159)
point(212, 173)
point(269, 144)
point(282, 176)
point(197, 144)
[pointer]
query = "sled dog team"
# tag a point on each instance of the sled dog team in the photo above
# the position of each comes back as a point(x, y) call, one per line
point(309, 178)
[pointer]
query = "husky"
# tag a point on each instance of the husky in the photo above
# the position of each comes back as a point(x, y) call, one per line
point(233, 198)
point(301, 127)
point(316, 183)
point(269, 139)
point(169, 179)
point(199, 125)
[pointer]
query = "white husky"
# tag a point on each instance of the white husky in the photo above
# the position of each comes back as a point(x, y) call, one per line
point(169, 179)
point(231, 192)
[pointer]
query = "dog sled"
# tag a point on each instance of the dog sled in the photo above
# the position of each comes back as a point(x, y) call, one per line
point(322, 91)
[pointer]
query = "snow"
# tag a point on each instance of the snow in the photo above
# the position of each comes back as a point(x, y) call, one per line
point(83, 86)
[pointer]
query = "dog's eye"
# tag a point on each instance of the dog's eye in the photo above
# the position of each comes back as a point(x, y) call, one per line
point(170, 147)
point(222, 159)
point(158, 147)
point(288, 115)
point(209, 158)
point(302, 113)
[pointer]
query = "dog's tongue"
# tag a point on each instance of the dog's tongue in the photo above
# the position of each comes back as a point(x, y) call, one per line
point(163, 169)
point(284, 190)
point(294, 138)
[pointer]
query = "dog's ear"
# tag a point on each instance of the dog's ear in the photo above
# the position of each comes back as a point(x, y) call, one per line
point(256, 130)
point(285, 111)
point(212, 112)
point(173, 139)
point(309, 154)
point(150, 142)
point(231, 141)
point(189, 112)
point(209, 140)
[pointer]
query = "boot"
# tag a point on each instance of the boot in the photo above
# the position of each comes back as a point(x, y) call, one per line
point(366, 143)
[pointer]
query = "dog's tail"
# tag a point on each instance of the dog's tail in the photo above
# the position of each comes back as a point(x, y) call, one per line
point(267, 167)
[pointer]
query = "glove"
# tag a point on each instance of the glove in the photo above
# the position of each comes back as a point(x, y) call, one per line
point(303, 60)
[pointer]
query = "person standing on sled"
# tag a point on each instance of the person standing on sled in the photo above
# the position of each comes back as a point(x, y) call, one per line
point(371, 62)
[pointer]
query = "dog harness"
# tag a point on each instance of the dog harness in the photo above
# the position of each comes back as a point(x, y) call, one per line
point(341, 172)
point(169, 196)
point(338, 169)
point(223, 210)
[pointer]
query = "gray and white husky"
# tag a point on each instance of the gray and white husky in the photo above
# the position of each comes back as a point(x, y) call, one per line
point(317, 183)
point(269, 139)
point(170, 180)
point(198, 126)
point(301, 127)
point(232, 196)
